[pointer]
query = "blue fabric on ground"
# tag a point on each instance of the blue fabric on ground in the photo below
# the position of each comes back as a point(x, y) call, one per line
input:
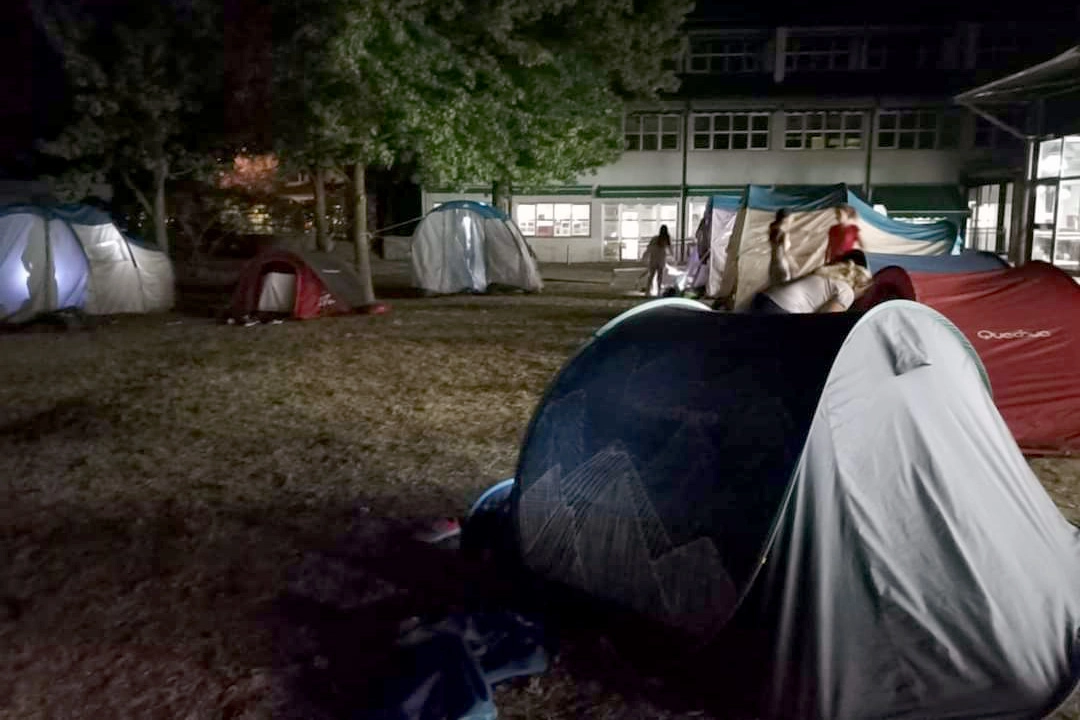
point(456, 661)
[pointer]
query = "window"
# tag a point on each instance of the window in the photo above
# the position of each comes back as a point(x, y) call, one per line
point(833, 130)
point(906, 52)
point(553, 219)
point(652, 132)
point(731, 131)
point(1056, 235)
point(628, 227)
point(725, 55)
point(818, 53)
point(917, 130)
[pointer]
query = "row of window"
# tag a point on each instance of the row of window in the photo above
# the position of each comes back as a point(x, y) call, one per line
point(816, 53)
point(810, 130)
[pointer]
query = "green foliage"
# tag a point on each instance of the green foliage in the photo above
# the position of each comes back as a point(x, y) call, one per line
point(145, 79)
point(514, 90)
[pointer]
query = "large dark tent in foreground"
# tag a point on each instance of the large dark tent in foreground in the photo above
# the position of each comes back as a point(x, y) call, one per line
point(837, 491)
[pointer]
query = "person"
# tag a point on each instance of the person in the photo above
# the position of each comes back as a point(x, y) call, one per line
point(844, 235)
point(780, 244)
point(830, 288)
point(656, 259)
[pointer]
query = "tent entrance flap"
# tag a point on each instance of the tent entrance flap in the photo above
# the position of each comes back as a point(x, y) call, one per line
point(278, 292)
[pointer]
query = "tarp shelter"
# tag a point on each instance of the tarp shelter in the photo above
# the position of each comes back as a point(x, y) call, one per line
point(1025, 324)
point(1054, 83)
point(302, 285)
point(466, 246)
point(965, 262)
point(858, 507)
point(57, 258)
point(737, 231)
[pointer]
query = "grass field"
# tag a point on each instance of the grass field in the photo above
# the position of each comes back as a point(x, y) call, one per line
point(165, 480)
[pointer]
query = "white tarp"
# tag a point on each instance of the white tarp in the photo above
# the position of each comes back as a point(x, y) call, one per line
point(466, 247)
point(749, 252)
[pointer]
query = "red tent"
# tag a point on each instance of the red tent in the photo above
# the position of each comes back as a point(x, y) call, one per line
point(1025, 324)
point(303, 284)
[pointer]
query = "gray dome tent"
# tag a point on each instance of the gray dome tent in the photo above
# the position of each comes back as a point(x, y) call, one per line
point(466, 246)
point(61, 257)
point(847, 498)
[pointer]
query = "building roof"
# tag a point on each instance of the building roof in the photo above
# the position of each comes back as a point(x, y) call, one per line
point(1056, 83)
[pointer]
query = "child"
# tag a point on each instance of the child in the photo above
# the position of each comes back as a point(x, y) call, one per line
point(844, 235)
point(779, 263)
point(830, 288)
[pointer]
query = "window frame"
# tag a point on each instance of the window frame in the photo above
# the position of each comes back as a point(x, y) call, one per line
point(752, 49)
point(805, 133)
point(529, 229)
point(641, 133)
point(712, 133)
point(793, 55)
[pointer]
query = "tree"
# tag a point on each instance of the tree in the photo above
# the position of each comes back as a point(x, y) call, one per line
point(549, 85)
point(355, 81)
point(146, 84)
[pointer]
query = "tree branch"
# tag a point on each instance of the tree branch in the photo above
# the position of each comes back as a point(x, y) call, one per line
point(138, 195)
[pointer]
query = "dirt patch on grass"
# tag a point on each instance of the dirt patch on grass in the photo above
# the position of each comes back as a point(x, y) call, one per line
point(166, 484)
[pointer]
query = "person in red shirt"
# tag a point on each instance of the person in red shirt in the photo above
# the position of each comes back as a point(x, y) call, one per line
point(844, 235)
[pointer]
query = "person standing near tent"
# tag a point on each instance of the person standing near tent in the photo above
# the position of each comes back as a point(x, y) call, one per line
point(780, 244)
point(656, 259)
point(844, 235)
point(830, 288)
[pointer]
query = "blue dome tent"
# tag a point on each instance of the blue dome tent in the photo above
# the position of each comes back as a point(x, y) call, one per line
point(56, 258)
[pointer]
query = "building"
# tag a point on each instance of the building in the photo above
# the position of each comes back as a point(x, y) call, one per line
point(813, 102)
point(1047, 219)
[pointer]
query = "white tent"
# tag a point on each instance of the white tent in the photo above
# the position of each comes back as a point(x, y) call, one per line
point(465, 246)
point(851, 523)
point(75, 257)
point(736, 231)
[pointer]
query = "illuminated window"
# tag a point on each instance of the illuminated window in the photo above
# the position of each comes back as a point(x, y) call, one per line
point(833, 130)
point(553, 219)
point(628, 227)
point(652, 132)
point(731, 131)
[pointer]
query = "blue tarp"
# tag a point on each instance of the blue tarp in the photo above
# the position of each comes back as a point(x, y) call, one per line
point(451, 666)
point(482, 209)
point(809, 198)
point(967, 261)
point(939, 231)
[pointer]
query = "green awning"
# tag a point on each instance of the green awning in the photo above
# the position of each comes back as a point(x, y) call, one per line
point(913, 200)
point(638, 191)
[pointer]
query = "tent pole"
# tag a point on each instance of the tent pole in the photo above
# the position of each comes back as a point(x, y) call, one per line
point(683, 231)
point(867, 188)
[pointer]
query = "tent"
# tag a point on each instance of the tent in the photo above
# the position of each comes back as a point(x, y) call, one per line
point(466, 246)
point(737, 229)
point(1025, 324)
point(56, 258)
point(849, 499)
point(966, 261)
point(302, 285)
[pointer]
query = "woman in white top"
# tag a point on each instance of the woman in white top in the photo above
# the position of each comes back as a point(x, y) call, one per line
point(830, 288)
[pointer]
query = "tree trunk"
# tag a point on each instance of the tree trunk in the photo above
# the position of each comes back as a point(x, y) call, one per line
point(322, 236)
point(360, 238)
point(161, 231)
point(500, 196)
